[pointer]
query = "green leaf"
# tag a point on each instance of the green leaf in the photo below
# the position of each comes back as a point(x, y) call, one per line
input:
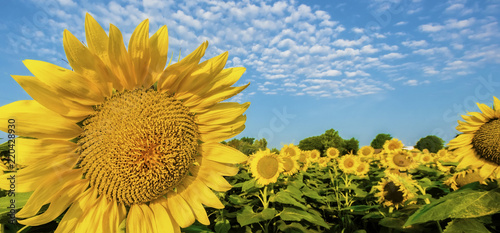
point(293, 214)
point(196, 228)
point(465, 226)
point(459, 204)
point(19, 199)
point(285, 198)
point(294, 227)
point(395, 223)
point(249, 185)
point(222, 226)
point(308, 192)
point(246, 216)
point(237, 200)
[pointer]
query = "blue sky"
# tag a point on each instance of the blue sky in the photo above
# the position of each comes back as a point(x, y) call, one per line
point(409, 68)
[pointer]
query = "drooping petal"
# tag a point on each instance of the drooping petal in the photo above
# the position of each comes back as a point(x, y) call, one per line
point(180, 210)
point(34, 120)
point(222, 113)
point(59, 203)
point(73, 215)
point(221, 153)
point(135, 220)
point(162, 218)
point(52, 100)
point(198, 103)
point(31, 150)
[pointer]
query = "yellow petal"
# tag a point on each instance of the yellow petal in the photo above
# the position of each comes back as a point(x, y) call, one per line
point(66, 82)
point(91, 218)
point(34, 120)
point(73, 215)
point(224, 169)
point(487, 170)
point(46, 190)
point(199, 103)
point(148, 219)
point(30, 150)
point(158, 44)
point(97, 39)
point(487, 111)
point(222, 113)
point(496, 106)
point(161, 217)
point(180, 210)
point(135, 220)
point(174, 74)
point(204, 195)
point(138, 48)
point(221, 134)
point(87, 64)
point(29, 178)
point(52, 100)
point(59, 203)
point(221, 153)
point(226, 78)
point(113, 216)
point(191, 197)
point(121, 63)
point(214, 181)
point(201, 76)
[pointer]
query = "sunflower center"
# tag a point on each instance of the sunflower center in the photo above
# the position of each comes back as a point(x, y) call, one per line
point(138, 146)
point(402, 160)
point(267, 167)
point(392, 193)
point(393, 146)
point(290, 151)
point(366, 151)
point(486, 141)
point(348, 163)
point(288, 164)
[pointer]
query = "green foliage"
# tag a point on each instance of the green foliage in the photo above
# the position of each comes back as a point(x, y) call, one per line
point(248, 145)
point(379, 140)
point(431, 143)
point(330, 138)
point(351, 145)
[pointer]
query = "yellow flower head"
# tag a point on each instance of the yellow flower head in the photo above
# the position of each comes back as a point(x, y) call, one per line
point(266, 167)
point(464, 177)
point(426, 158)
point(395, 190)
point(400, 159)
point(362, 169)
point(477, 146)
point(314, 155)
point(393, 144)
point(366, 151)
point(290, 150)
point(348, 163)
point(290, 165)
point(332, 152)
point(122, 138)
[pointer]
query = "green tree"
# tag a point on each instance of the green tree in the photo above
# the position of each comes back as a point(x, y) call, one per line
point(312, 143)
point(431, 143)
point(331, 138)
point(260, 144)
point(379, 140)
point(351, 145)
point(247, 140)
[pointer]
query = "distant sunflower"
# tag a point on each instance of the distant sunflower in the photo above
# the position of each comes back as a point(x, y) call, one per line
point(462, 178)
point(323, 161)
point(362, 169)
point(314, 155)
point(393, 144)
point(332, 152)
point(121, 138)
point(400, 159)
point(290, 150)
point(478, 145)
point(290, 165)
point(426, 158)
point(366, 152)
point(266, 167)
point(395, 190)
point(348, 163)
point(442, 153)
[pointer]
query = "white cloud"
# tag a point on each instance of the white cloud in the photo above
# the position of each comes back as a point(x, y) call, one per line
point(430, 70)
point(327, 73)
point(453, 23)
point(356, 73)
point(415, 43)
point(358, 30)
point(349, 43)
point(400, 23)
point(393, 56)
point(431, 27)
point(368, 49)
point(455, 7)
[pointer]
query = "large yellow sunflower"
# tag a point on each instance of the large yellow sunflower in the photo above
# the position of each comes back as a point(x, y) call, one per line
point(121, 138)
point(348, 163)
point(462, 178)
point(290, 165)
point(395, 190)
point(332, 152)
point(478, 145)
point(400, 159)
point(266, 166)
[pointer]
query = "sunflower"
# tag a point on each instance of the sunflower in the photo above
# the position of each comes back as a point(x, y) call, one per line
point(290, 150)
point(426, 158)
point(393, 144)
point(290, 165)
point(477, 146)
point(366, 152)
point(121, 138)
point(323, 161)
point(332, 152)
point(314, 155)
point(442, 153)
point(395, 190)
point(266, 167)
point(362, 169)
point(464, 177)
point(400, 159)
point(348, 163)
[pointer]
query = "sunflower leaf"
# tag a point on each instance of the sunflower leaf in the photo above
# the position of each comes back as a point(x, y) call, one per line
point(285, 198)
point(465, 203)
point(465, 225)
point(293, 214)
point(8, 203)
point(246, 216)
point(222, 226)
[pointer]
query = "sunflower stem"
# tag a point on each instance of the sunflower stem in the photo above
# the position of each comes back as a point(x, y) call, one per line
point(439, 227)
